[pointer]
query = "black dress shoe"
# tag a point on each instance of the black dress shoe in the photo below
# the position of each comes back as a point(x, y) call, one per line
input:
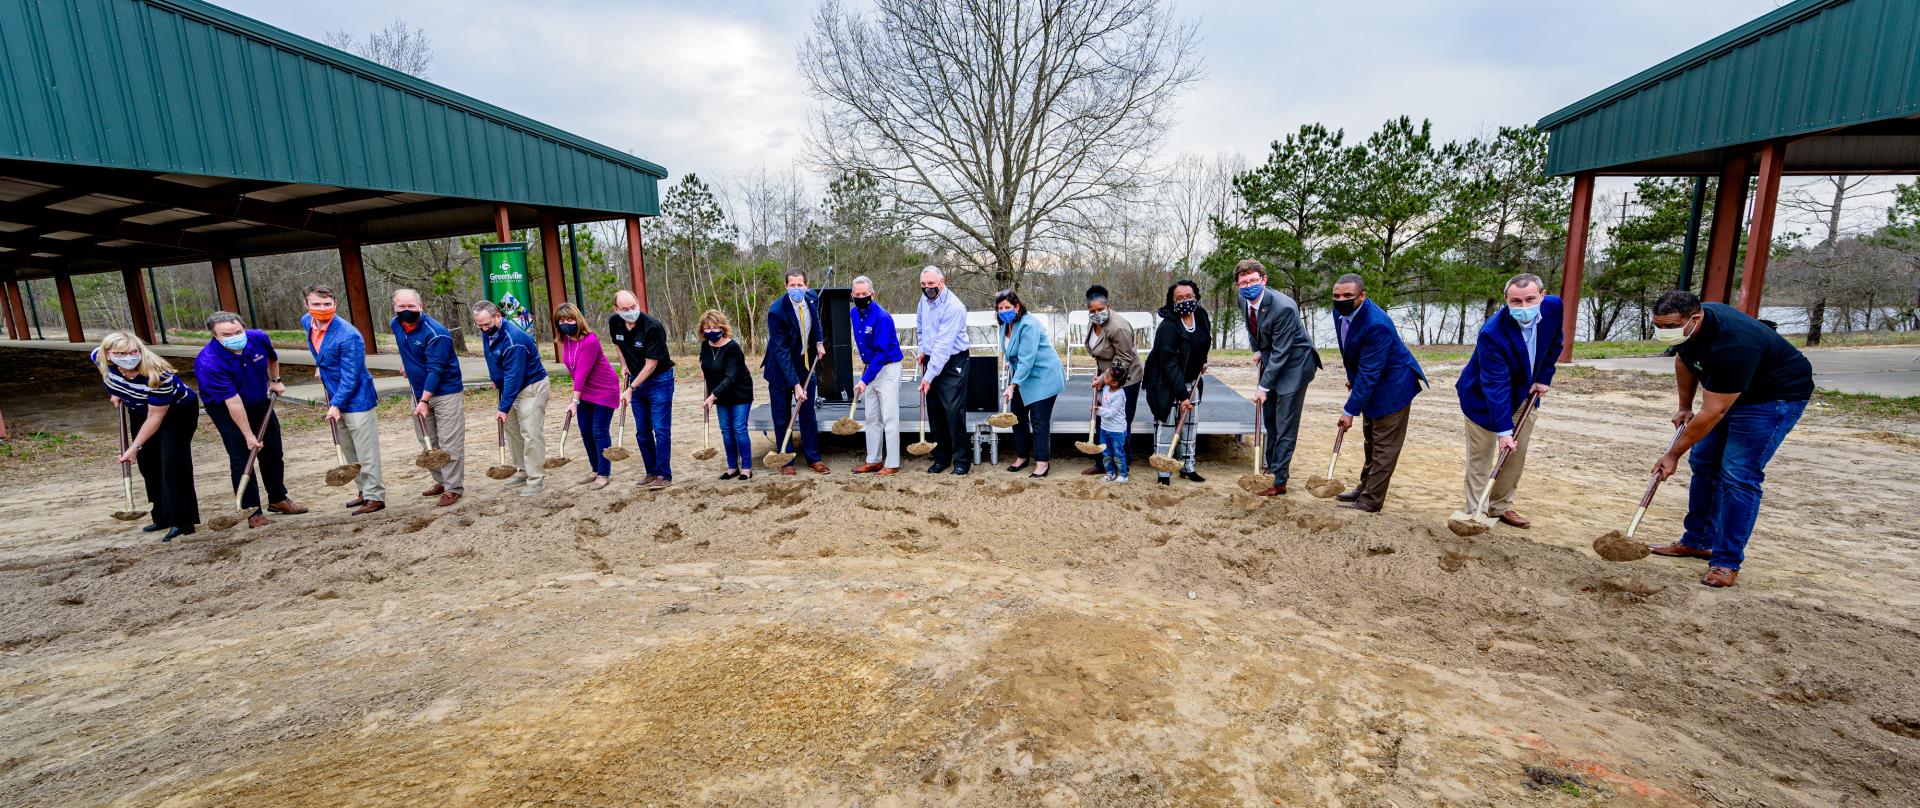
point(1164, 479)
point(961, 471)
point(176, 533)
point(1023, 464)
point(1038, 474)
point(1359, 507)
point(1348, 496)
point(151, 528)
point(937, 467)
point(1193, 476)
point(729, 475)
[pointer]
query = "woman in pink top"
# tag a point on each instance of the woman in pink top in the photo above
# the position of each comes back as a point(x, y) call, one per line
point(596, 389)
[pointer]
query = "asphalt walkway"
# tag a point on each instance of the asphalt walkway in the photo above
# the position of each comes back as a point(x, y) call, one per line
point(1892, 371)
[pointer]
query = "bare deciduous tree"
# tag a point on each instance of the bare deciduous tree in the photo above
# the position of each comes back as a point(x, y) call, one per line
point(1002, 126)
point(396, 46)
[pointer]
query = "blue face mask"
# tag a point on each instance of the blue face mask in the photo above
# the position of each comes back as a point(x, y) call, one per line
point(713, 336)
point(1524, 315)
point(1007, 317)
point(1252, 293)
point(797, 295)
point(235, 342)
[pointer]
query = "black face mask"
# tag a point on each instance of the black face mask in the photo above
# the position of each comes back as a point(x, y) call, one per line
point(862, 302)
point(490, 330)
point(569, 329)
point(1346, 308)
point(930, 292)
point(409, 317)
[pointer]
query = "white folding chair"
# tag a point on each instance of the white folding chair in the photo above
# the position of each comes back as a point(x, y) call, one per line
point(1077, 328)
point(983, 330)
point(1142, 321)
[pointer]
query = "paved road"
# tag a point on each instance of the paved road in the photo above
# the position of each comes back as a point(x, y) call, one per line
point(1878, 371)
point(473, 370)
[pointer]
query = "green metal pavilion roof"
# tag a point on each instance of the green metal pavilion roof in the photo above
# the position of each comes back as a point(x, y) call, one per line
point(1847, 71)
point(164, 131)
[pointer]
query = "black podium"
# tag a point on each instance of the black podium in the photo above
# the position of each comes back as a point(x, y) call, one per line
point(835, 373)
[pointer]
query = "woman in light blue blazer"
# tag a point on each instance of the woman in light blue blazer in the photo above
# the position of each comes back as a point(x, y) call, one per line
point(1034, 381)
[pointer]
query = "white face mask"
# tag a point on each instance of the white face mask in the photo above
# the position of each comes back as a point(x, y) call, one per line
point(126, 362)
point(1672, 336)
point(629, 316)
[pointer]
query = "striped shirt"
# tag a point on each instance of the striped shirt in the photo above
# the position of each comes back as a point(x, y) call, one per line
point(139, 393)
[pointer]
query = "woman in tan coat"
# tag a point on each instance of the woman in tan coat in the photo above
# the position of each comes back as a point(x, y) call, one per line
point(1110, 343)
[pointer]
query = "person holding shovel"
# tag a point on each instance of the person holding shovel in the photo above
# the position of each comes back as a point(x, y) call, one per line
point(723, 365)
point(1382, 379)
point(1111, 345)
point(795, 342)
point(879, 387)
point(162, 412)
point(432, 369)
point(340, 360)
point(1757, 387)
point(239, 374)
point(941, 321)
point(513, 365)
point(1172, 378)
point(1512, 361)
point(1285, 362)
point(648, 369)
point(596, 389)
point(1034, 381)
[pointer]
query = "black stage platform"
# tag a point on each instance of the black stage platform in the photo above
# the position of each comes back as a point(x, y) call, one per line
point(1221, 411)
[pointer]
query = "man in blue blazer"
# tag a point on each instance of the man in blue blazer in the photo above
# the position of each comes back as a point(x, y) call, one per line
point(1512, 361)
point(795, 342)
point(1383, 378)
point(340, 360)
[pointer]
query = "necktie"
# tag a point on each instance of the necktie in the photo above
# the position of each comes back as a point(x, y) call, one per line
point(1253, 322)
point(800, 315)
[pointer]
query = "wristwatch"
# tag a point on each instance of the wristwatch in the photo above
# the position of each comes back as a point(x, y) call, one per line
point(276, 380)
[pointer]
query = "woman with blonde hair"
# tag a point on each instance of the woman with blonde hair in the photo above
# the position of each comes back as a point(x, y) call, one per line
point(729, 391)
point(596, 389)
point(163, 413)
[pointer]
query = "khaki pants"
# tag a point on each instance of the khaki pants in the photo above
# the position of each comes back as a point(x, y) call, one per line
point(882, 405)
point(526, 431)
point(360, 442)
point(447, 428)
point(1483, 448)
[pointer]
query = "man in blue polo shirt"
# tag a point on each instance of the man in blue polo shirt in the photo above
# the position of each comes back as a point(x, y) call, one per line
point(879, 386)
point(238, 372)
point(513, 363)
point(433, 370)
point(340, 360)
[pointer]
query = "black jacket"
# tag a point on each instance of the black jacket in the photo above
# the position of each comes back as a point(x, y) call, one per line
point(1176, 360)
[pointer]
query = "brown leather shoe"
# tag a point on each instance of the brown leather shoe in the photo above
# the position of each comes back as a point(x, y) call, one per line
point(357, 501)
point(1720, 577)
point(1355, 506)
point(1678, 550)
point(435, 491)
point(889, 472)
point(285, 506)
point(1349, 495)
point(1273, 491)
point(258, 519)
point(818, 467)
point(866, 468)
point(789, 470)
point(369, 507)
point(448, 498)
point(1515, 519)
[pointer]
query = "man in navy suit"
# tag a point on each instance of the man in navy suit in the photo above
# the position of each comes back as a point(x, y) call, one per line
point(1383, 378)
point(1512, 361)
point(794, 343)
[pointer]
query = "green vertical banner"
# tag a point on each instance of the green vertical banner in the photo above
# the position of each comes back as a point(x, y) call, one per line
point(506, 282)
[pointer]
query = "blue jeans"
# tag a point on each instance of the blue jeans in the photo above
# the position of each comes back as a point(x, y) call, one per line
point(807, 426)
point(653, 423)
point(733, 434)
point(1728, 466)
point(594, 420)
point(1115, 454)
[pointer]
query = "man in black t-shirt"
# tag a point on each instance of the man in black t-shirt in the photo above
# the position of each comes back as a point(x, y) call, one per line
point(1757, 386)
point(648, 369)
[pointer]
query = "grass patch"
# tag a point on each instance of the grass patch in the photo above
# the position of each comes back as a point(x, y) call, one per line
point(1832, 403)
point(39, 445)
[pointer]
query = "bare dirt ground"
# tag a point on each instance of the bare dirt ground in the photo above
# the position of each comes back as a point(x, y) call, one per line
point(985, 641)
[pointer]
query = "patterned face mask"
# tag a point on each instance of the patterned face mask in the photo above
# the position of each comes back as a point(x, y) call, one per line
point(1184, 307)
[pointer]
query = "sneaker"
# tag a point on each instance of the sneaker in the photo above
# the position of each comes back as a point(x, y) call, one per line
point(587, 479)
point(1122, 479)
point(517, 480)
point(598, 483)
point(533, 489)
point(1109, 478)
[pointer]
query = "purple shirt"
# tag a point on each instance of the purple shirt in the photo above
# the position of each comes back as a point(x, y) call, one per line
point(593, 376)
point(224, 374)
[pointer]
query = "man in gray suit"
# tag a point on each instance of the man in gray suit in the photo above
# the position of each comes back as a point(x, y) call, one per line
point(1286, 362)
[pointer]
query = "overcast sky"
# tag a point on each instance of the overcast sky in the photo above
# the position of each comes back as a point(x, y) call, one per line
point(713, 87)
